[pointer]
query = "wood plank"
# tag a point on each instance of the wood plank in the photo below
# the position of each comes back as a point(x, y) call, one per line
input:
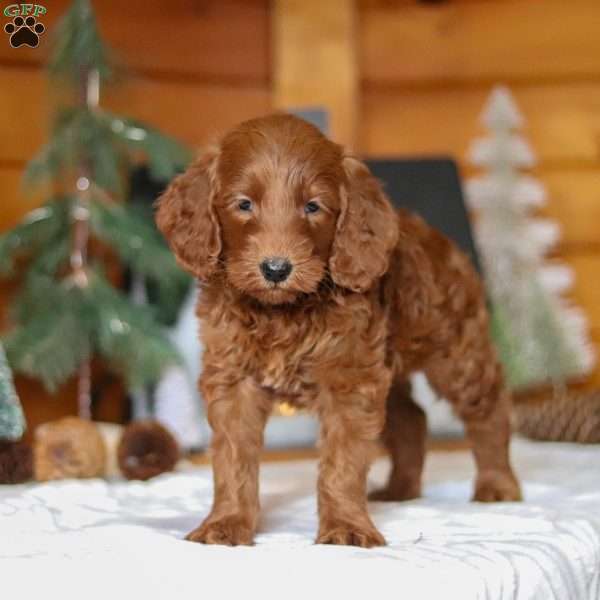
point(315, 61)
point(574, 202)
point(215, 39)
point(16, 201)
point(193, 112)
point(511, 40)
point(586, 291)
point(40, 406)
point(24, 113)
point(563, 121)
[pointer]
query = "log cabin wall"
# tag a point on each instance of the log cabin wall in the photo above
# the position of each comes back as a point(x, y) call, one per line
point(426, 69)
point(400, 77)
point(194, 68)
point(423, 71)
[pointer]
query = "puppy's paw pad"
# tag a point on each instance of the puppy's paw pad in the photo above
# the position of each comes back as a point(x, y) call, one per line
point(228, 531)
point(350, 535)
point(497, 487)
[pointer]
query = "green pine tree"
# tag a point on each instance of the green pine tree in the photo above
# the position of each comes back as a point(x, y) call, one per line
point(12, 421)
point(67, 310)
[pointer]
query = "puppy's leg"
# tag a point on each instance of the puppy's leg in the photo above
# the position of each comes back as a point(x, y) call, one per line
point(404, 436)
point(237, 415)
point(471, 379)
point(350, 426)
point(490, 439)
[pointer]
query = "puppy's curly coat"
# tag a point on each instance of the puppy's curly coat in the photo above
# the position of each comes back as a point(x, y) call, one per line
point(317, 292)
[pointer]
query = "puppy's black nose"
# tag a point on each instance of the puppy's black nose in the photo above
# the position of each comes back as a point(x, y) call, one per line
point(276, 269)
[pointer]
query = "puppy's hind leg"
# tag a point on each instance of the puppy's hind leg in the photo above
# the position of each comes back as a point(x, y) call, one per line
point(404, 437)
point(489, 439)
point(473, 382)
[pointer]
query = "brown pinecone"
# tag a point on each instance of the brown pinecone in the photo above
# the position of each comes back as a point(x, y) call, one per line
point(146, 450)
point(564, 417)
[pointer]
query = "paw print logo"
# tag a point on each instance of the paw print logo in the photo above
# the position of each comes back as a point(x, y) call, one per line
point(24, 32)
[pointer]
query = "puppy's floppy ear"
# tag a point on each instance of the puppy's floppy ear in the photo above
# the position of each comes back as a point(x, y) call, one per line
point(367, 230)
point(186, 217)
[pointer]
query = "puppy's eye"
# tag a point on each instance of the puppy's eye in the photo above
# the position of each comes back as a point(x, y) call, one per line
point(311, 207)
point(245, 204)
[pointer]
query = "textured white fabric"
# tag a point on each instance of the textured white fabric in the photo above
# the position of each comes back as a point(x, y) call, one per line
point(118, 540)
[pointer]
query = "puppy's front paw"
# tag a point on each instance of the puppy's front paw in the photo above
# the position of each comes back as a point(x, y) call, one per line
point(227, 531)
point(497, 486)
point(345, 534)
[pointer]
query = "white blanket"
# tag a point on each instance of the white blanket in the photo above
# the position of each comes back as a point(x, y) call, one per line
point(90, 540)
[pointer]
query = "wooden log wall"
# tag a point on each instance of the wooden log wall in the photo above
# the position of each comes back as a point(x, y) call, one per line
point(400, 78)
point(427, 68)
point(193, 68)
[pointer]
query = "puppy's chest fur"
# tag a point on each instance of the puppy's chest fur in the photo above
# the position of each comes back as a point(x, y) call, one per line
point(293, 352)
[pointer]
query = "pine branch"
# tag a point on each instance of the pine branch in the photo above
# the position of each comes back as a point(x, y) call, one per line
point(61, 323)
point(137, 243)
point(107, 142)
point(78, 45)
point(51, 257)
point(77, 133)
point(165, 155)
point(35, 231)
point(128, 337)
point(49, 347)
point(49, 344)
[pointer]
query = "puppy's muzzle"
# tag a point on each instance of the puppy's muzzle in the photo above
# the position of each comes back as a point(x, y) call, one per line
point(276, 269)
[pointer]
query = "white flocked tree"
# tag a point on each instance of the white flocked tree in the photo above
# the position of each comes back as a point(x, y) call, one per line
point(541, 336)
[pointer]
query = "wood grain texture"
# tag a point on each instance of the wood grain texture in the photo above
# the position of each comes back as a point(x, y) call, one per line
point(586, 291)
point(314, 52)
point(427, 69)
point(193, 112)
point(574, 203)
point(224, 40)
point(563, 121)
point(464, 41)
point(192, 68)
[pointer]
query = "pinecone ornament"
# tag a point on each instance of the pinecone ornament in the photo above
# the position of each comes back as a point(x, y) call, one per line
point(563, 418)
point(146, 449)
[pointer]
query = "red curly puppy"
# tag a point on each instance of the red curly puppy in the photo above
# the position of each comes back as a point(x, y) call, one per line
point(317, 292)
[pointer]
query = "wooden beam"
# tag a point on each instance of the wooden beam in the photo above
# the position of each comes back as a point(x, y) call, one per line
point(314, 61)
point(460, 42)
point(562, 121)
point(219, 41)
point(194, 112)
